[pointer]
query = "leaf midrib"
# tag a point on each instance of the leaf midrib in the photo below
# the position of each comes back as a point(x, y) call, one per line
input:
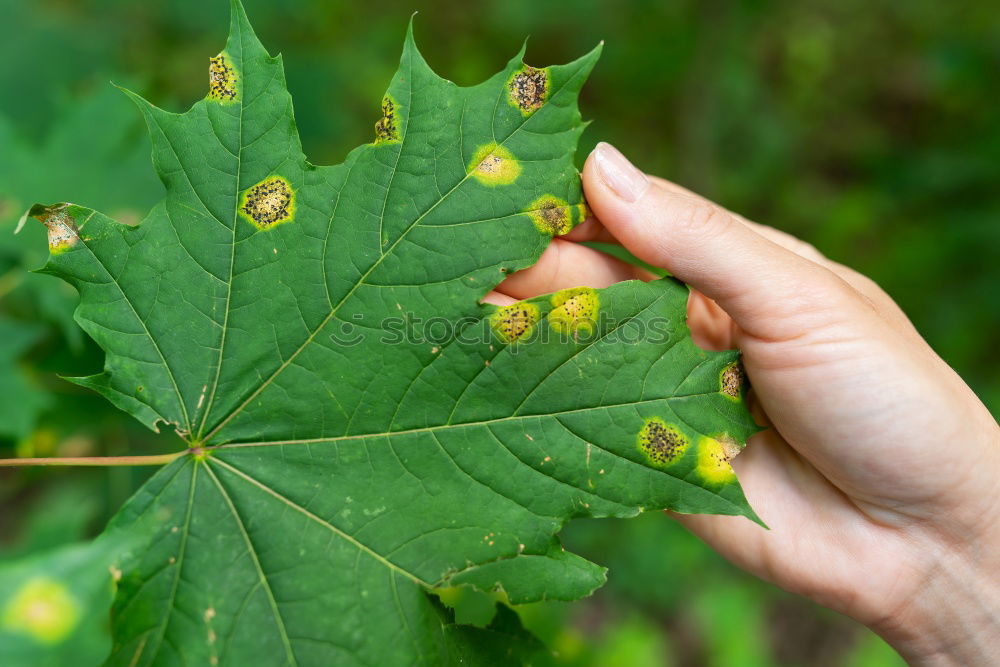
point(232, 254)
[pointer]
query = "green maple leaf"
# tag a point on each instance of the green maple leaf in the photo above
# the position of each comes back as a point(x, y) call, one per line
point(339, 465)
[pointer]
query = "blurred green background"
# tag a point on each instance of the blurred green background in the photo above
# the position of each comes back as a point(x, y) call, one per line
point(867, 127)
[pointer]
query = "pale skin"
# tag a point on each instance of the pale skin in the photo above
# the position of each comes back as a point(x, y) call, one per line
point(879, 472)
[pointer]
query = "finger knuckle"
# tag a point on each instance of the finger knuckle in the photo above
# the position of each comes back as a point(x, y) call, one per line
point(865, 284)
point(811, 291)
point(807, 250)
point(827, 286)
point(699, 218)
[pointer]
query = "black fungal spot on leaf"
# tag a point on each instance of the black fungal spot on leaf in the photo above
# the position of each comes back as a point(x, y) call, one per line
point(731, 381)
point(269, 203)
point(515, 321)
point(575, 310)
point(662, 443)
point(528, 88)
point(554, 216)
point(222, 79)
point(387, 127)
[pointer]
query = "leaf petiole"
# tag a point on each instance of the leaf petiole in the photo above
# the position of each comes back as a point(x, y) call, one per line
point(147, 460)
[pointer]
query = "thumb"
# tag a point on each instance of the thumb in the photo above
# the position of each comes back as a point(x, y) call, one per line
point(761, 285)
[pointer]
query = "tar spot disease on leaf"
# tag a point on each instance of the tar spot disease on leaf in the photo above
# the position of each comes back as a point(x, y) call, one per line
point(494, 165)
point(555, 216)
point(662, 443)
point(731, 380)
point(387, 127)
point(575, 311)
point(528, 89)
point(223, 81)
point(267, 354)
point(516, 321)
point(269, 203)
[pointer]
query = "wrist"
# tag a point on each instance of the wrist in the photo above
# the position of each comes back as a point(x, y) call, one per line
point(954, 616)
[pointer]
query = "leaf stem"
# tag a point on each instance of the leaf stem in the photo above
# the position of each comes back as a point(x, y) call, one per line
point(149, 460)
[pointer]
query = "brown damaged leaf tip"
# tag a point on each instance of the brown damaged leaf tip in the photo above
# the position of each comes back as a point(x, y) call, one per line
point(62, 228)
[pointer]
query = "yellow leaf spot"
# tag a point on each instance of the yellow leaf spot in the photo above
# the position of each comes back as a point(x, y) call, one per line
point(555, 216)
point(494, 165)
point(713, 461)
point(516, 321)
point(222, 79)
point(44, 609)
point(575, 310)
point(269, 203)
point(662, 443)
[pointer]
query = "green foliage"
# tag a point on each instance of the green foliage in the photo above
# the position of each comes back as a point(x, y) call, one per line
point(333, 474)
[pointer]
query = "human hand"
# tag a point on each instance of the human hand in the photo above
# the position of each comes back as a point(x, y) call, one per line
point(880, 473)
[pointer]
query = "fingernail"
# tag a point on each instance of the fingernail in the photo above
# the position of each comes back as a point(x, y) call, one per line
point(618, 173)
